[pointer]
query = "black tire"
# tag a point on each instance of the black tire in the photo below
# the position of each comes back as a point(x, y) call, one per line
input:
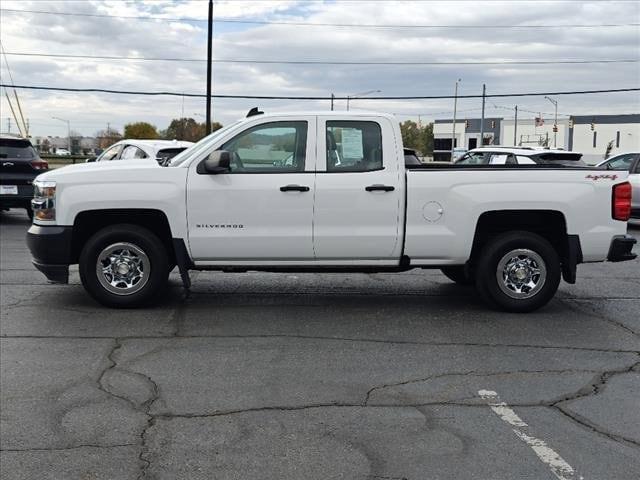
point(497, 248)
point(157, 266)
point(459, 274)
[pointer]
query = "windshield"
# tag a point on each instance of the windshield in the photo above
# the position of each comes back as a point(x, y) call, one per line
point(16, 149)
point(201, 145)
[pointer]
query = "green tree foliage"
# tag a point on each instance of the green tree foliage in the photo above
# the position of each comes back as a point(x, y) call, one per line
point(140, 130)
point(187, 129)
point(418, 137)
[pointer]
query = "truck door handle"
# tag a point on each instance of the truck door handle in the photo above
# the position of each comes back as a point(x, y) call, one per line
point(381, 188)
point(294, 188)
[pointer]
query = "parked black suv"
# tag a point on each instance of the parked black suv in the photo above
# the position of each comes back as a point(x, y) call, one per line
point(19, 165)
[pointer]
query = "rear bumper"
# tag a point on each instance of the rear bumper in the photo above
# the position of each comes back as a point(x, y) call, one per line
point(620, 249)
point(50, 248)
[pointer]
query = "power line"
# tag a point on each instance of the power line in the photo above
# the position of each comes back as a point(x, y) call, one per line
point(315, 24)
point(325, 62)
point(276, 97)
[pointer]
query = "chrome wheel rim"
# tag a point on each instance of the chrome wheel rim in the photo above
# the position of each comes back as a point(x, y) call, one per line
point(521, 273)
point(123, 268)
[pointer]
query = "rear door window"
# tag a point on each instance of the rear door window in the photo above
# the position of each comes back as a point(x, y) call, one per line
point(131, 151)
point(499, 159)
point(353, 146)
point(17, 149)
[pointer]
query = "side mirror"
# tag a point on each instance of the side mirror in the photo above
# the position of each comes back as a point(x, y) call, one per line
point(91, 159)
point(217, 162)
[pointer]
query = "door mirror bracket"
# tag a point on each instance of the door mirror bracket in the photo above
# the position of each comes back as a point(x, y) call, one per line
point(216, 163)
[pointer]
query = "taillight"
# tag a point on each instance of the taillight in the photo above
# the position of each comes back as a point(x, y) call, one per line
point(621, 202)
point(39, 165)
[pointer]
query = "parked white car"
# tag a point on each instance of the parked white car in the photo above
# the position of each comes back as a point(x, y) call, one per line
point(497, 155)
point(325, 191)
point(63, 152)
point(629, 162)
point(159, 150)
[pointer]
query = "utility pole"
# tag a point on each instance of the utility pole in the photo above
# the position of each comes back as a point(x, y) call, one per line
point(515, 128)
point(555, 122)
point(332, 99)
point(209, 63)
point(358, 95)
point(8, 124)
point(68, 131)
point(453, 134)
point(484, 92)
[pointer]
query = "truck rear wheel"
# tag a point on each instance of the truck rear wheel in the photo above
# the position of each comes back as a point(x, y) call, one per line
point(518, 272)
point(458, 274)
point(124, 266)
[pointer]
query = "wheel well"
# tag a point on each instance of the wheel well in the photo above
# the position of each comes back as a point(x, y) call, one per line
point(89, 222)
point(549, 224)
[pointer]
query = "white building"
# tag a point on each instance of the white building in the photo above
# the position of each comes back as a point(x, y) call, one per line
point(467, 135)
point(587, 134)
point(622, 130)
point(532, 133)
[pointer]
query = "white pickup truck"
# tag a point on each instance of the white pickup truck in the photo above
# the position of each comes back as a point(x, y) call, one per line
point(325, 191)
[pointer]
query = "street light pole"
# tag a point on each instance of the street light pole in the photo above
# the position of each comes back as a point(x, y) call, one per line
point(207, 126)
point(484, 93)
point(358, 95)
point(453, 134)
point(68, 132)
point(555, 122)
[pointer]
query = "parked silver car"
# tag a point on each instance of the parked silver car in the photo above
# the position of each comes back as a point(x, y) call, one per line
point(159, 150)
point(630, 162)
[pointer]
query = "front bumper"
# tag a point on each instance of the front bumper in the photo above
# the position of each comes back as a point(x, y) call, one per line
point(50, 248)
point(620, 249)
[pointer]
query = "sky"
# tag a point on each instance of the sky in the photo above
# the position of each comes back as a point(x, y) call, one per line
point(408, 31)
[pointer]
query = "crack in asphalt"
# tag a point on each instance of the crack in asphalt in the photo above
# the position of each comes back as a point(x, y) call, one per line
point(572, 304)
point(342, 339)
point(474, 373)
point(144, 407)
point(75, 447)
point(592, 389)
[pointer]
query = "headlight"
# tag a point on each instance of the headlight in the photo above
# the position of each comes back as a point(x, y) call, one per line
point(44, 200)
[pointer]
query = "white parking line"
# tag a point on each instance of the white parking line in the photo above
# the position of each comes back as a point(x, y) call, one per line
point(558, 465)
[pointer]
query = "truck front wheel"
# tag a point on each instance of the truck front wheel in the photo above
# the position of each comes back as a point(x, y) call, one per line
point(124, 266)
point(518, 272)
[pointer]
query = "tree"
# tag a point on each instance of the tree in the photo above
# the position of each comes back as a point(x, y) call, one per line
point(45, 146)
point(107, 137)
point(187, 129)
point(607, 152)
point(140, 130)
point(416, 136)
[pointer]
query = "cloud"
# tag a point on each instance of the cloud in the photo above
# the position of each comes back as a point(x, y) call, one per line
point(495, 41)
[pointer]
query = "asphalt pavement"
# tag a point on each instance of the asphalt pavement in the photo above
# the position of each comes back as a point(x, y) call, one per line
point(317, 376)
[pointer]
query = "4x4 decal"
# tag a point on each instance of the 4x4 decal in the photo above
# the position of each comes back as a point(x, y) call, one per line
point(603, 177)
